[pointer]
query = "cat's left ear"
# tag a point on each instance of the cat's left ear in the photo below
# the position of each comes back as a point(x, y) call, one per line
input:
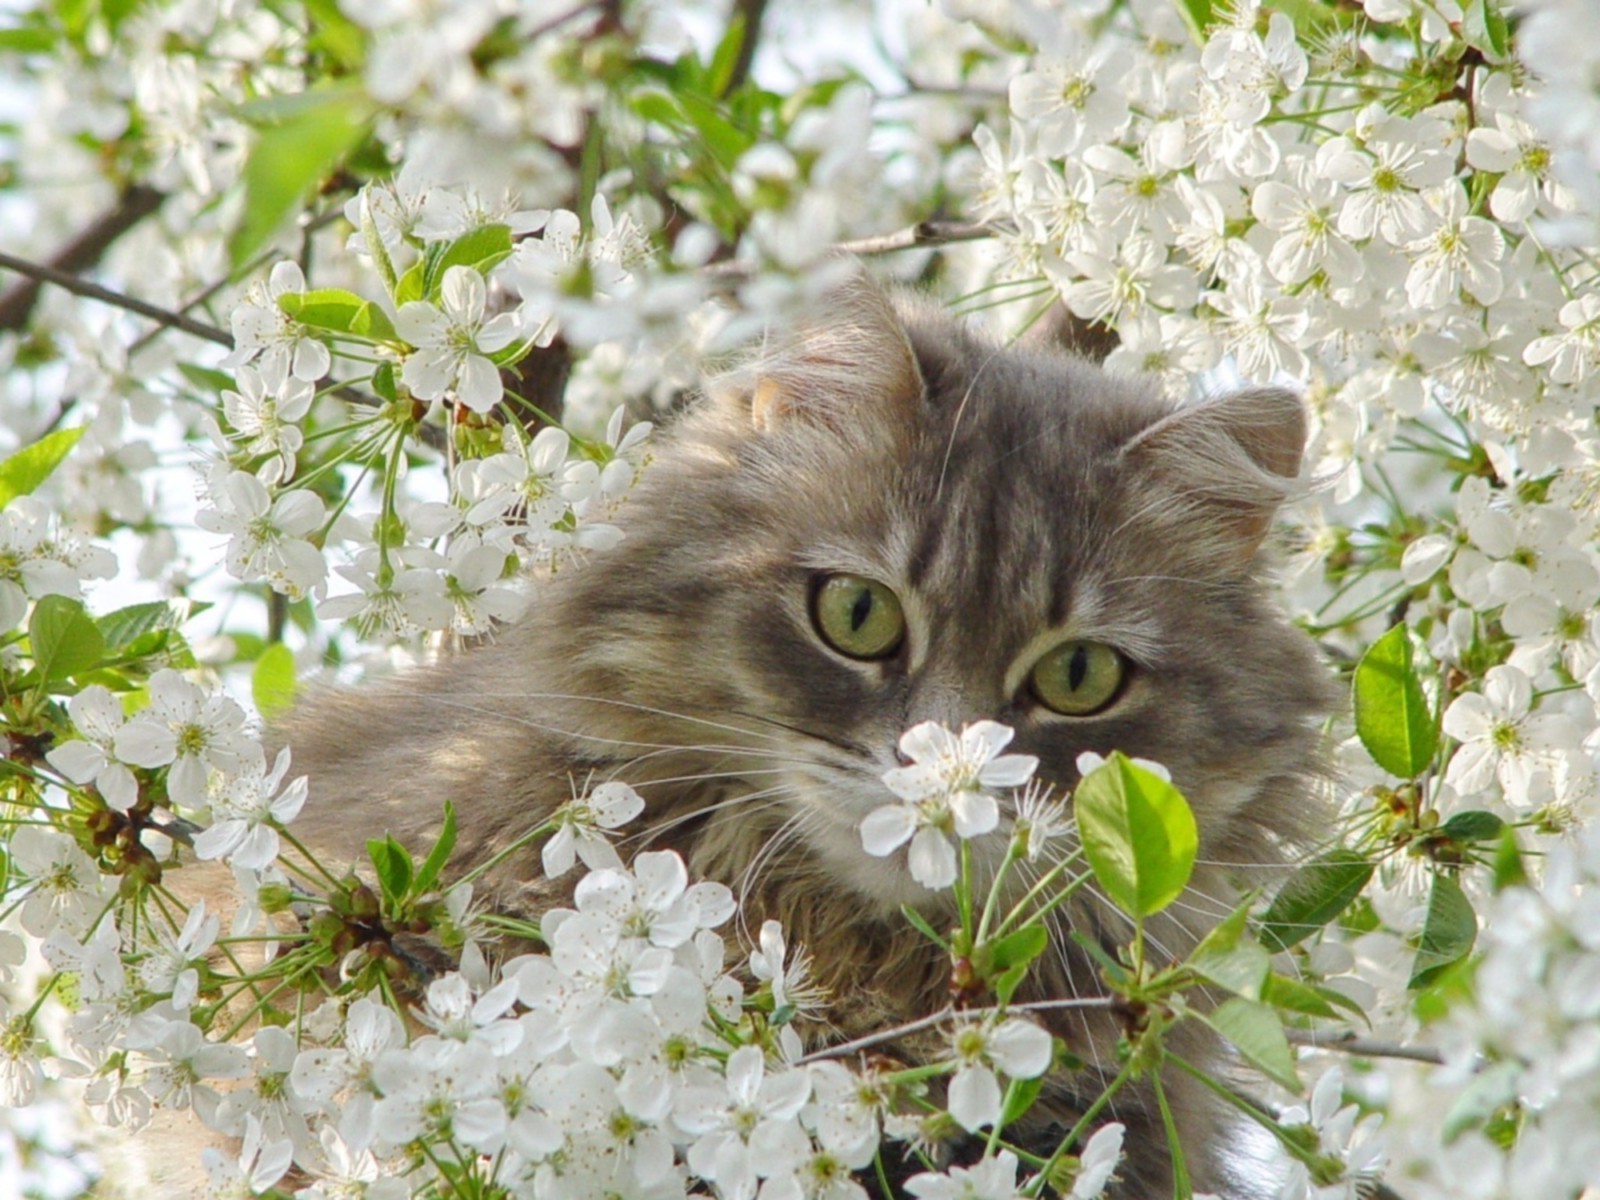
point(848, 366)
point(1228, 464)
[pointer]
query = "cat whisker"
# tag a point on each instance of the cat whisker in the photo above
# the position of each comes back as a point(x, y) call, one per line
point(743, 798)
point(852, 747)
point(581, 698)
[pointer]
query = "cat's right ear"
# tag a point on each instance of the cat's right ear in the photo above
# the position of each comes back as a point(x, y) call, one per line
point(847, 366)
point(1226, 465)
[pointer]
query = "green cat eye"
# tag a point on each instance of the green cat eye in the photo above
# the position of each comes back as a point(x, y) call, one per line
point(858, 616)
point(1077, 679)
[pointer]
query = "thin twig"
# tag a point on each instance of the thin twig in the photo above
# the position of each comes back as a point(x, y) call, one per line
point(1349, 1043)
point(923, 233)
point(945, 1014)
point(82, 287)
point(82, 252)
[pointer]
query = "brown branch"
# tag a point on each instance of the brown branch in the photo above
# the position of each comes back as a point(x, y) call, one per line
point(1349, 1043)
point(78, 286)
point(84, 251)
point(945, 1014)
point(923, 233)
point(751, 12)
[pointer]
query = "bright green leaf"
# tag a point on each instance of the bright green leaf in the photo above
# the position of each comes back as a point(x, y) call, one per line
point(1484, 27)
point(27, 40)
point(1197, 15)
point(1314, 895)
point(302, 139)
point(1019, 948)
point(273, 684)
point(64, 638)
point(393, 865)
point(1230, 958)
point(409, 287)
point(383, 381)
point(1138, 834)
point(657, 108)
point(1020, 1095)
point(339, 311)
point(25, 470)
point(1257, 1033)
point(1284, 993)
point(1448, 931)
point(440, 854)
point(1393, 718)
point(127, 625)
point(482, 249)
point(1509, 870)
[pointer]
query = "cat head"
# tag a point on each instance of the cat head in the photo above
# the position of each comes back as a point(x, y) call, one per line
point(886, 519)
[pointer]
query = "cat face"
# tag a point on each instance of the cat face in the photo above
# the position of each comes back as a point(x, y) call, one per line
point(888, 522)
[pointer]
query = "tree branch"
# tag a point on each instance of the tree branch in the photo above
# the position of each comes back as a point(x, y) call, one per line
point(78, 286)
point(84, 251)
point(752, 12)
point(1349, 1043)
point(923, 233)
point(945, 1014)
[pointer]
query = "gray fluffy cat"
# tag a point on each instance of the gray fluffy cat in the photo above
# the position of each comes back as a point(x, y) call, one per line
point(884, 521)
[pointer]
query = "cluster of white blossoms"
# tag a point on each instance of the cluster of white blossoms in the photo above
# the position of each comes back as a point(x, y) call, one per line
point(631, 1055)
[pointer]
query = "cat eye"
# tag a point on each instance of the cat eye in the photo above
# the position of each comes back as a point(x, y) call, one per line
point(858, 617)
point(1077, 679)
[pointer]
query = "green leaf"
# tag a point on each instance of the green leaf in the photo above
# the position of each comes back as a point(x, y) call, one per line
point(211, 380)
point(1314, 895)
point(122, 628)
point(1114, 971)
point(1006, 983)
point(1257, 1033)
point(1448, 932)
point(1484, 27)
point(1509, 870)
point(1018, 949)
point(440, 854)
point(1393, 718)
point(393, 865)
point(657, 108)
point(1473, 826)
point(1230, 958)
point(1197, 15)
point(27, 40)
point(383, 381)
point(719, 74)
point(302, 139)
point(410, 286)
point(64, 638)
point(273, 684)
point(335, 34)
point(339, 311)
point(726, 141)
point(1282, 992)
point(1138, 834)
point(920, 924)
point(32, 465)
point(1489, 1090)
point(1020, 1095)
point(482, 249)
